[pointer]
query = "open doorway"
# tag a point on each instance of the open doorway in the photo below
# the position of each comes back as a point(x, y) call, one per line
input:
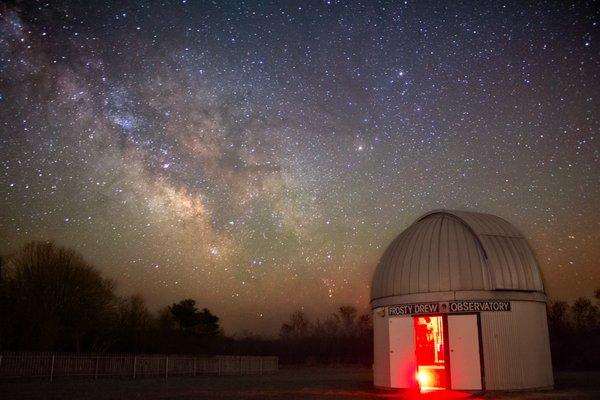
point(430, 351)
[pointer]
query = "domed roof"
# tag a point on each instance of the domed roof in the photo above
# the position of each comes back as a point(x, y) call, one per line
point(448, 250)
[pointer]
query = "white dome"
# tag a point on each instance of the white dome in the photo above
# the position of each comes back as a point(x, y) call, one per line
point(448, 250)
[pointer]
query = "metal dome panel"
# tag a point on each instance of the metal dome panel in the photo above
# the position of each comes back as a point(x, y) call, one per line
point(456, 251)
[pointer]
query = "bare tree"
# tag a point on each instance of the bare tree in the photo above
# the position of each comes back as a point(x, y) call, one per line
point(56, 298)
point(585, 314)
point(348, 316)
point(296, 328)
point(133, 324)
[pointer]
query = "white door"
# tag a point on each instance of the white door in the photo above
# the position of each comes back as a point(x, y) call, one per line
point(403, 363)
point(465, 365)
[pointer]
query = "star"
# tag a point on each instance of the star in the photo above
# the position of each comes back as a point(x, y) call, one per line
point(240, 153)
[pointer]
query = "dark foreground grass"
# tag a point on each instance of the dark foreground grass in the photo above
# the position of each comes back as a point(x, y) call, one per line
point(289, 383)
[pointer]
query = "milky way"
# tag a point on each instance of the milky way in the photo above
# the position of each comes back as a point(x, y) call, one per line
point(259, 156)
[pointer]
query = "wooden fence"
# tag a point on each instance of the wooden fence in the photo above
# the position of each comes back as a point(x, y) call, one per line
point(56, 365)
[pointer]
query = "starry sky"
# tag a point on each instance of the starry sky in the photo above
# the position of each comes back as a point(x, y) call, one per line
point(259, 156)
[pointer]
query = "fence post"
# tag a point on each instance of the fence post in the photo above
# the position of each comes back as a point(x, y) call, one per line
point(166, 367)
point(219, 365)
point(194, 365)
point(261, 367)
point(52, 369)
point(241, 365)
point(96, 370)
point(134, 365)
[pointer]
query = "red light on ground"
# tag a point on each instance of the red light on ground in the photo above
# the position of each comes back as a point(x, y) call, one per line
point(444, 394)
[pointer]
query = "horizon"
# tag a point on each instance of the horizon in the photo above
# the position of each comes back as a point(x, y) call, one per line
point(259, 158)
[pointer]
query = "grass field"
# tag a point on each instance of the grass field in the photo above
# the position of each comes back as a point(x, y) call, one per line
point(289, 383)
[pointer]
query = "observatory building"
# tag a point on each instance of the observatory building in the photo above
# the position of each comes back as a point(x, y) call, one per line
point(458, 303)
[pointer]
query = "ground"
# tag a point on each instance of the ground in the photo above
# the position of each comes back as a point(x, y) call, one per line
point(289, 383)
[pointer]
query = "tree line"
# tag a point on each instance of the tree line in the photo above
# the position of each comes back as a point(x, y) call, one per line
point(575, 333)
point(51, 299)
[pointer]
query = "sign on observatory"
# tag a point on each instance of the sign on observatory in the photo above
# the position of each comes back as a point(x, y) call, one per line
point(459, 306)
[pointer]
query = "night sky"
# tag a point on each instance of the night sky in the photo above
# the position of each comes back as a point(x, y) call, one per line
point(259, 156)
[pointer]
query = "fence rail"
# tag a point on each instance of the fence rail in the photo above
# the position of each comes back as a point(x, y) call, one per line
point(56, 365)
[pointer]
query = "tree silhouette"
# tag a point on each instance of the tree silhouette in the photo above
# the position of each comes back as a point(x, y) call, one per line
point(296, 328)
point(342, 337)
point(191, 320)
point(133, 324)
point(186, 314)
point(574, 333)
point(56, 298)
point(209, 323)
point(585, 314)
point(348, 317)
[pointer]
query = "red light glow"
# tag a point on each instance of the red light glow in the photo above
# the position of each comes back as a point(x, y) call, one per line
point(424, 378)
point(430, 352)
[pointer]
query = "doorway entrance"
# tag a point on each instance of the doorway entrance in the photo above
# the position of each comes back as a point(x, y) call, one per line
point(430, 352)
point(447, 352)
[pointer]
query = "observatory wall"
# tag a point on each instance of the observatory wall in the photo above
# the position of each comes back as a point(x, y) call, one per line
point(516, 350)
